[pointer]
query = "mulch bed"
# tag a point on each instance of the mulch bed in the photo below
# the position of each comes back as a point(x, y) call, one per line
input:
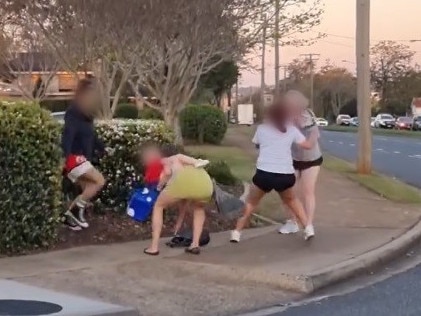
point(112, 227)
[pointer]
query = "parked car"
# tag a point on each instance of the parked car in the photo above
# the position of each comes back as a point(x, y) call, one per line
point(416, 123)
point(384, 121)
point(373, 119)
point(320, 121)
point(59, 116)
point(354, 121)
point(343, 119)
point(404, 122)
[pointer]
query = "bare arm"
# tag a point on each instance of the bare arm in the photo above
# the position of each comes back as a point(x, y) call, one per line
point(184, 160)
point(164, 177)
point(311, 140)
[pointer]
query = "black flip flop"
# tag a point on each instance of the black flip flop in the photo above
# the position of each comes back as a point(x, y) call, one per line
point(146, 252)
point(193, 251)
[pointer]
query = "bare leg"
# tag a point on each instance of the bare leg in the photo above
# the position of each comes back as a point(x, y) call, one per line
point(308, 188)
point(91, 182)
point(182, 210)
point(198, 222)
point(290, 200)
point(163, 201)
point(252, 200)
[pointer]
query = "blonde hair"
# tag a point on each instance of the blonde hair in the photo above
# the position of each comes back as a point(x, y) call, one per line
point(296, 98)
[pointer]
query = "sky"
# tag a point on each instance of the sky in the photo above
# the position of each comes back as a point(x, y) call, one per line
point(390, 20)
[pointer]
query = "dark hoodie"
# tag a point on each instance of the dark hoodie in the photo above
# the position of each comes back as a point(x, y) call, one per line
point(79, 136)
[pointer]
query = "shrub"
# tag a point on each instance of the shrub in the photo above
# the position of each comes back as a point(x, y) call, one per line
point(122, 170)
point(221, 172)
point(30, 177)
point(148, 113)
point(126, 111)
point(203, 123)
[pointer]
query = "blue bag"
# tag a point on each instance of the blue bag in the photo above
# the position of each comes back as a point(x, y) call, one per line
point(141, 203)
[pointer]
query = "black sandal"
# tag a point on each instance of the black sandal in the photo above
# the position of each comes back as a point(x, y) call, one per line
point(145, 251)
point(193, 251)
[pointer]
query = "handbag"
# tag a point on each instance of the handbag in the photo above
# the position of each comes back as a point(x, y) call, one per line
point(227, 204)
point(141, 203)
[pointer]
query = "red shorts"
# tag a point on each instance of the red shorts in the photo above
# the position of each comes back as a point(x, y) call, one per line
point(76, 166)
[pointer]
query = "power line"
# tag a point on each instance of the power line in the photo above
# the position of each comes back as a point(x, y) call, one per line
point(379, 40)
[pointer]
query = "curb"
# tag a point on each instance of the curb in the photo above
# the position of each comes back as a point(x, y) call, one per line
point(364, 262)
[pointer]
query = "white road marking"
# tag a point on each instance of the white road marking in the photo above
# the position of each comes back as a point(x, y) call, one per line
point(352, 145)
point(379, 149)
point(396, 152)
point(415, 156)
point(331, 141)
point(341, 143)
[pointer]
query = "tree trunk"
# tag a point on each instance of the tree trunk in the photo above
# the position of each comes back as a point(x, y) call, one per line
point(172, 120)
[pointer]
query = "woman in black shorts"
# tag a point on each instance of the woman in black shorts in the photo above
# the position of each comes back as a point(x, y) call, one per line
point(307, 162)
point(275, 170)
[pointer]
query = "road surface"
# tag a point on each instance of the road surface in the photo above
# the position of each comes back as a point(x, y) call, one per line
point(398, 157)
point(398, 295)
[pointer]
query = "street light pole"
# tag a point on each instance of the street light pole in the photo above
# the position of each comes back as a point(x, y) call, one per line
point(363, 86)
point(277, 12)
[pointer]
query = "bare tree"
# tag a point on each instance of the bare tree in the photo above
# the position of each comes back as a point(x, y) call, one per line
point(89, 35)
point(26, 64)
point(193, 37)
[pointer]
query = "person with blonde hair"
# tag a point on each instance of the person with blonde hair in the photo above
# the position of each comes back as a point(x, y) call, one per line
point(307, 161)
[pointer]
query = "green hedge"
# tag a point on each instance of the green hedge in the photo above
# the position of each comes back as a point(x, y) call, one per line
point(126, 111)
point(30, 178)
point(203, 124)
point(148, 113)
point(122, 169)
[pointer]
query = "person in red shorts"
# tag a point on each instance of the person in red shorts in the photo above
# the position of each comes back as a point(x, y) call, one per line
point(79, 144)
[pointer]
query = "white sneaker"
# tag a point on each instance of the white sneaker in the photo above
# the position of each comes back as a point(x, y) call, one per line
point(235, 236)
point(290, 227)
point(201, 163)
point(308, 232)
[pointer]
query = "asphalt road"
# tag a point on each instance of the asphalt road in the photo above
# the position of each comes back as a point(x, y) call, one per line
point(398, 157)
point(397, 295)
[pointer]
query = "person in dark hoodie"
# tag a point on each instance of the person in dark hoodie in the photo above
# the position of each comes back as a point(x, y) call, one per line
point(79, 144)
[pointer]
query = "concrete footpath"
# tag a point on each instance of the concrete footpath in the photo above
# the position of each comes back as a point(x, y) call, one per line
point(355, 230)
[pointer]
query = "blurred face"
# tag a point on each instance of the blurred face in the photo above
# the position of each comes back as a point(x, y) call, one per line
point(88, 101)
point(151, 154)
point(295, 110)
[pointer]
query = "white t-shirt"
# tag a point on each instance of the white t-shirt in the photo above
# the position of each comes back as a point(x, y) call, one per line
point(275, 148)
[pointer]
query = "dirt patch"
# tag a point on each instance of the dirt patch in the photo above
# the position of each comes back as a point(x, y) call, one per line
point(112, 227)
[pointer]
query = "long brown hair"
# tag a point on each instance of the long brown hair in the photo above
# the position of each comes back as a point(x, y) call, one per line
point(277, 115)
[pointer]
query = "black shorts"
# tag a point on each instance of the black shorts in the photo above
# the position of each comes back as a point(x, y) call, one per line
point(303, 165)
point(268, 181)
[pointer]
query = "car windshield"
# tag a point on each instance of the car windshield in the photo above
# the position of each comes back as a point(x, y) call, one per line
point(405, 119)
point(386, 117)
point(418, 119)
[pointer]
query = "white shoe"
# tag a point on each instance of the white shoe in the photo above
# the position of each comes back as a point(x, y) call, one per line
point(290, 227)
point(235, 236)
point(308, 232)
point(201, 163)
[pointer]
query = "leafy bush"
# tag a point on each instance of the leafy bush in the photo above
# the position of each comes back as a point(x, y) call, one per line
point(148, 113)
point(221, 172)
point(203, 123)
point(30, 177)
point(126, 111)
point(122, 170)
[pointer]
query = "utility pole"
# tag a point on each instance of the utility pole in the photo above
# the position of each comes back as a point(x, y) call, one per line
point(284, 81)
point(311, 60)
point(363, 86)
point(277, 12)
point(262, 71)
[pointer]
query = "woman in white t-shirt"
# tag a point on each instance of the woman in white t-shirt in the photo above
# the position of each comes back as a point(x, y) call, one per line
point(274, 167)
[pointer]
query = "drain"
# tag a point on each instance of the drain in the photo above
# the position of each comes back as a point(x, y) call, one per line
point(27, 308)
